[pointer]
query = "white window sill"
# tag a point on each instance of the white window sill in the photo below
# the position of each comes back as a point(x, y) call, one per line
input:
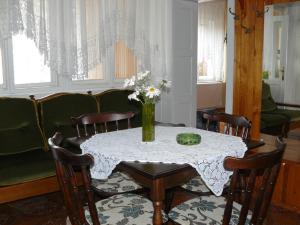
point(209, 82)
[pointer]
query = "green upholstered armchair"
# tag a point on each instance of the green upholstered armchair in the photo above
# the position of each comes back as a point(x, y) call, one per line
point(275, 118)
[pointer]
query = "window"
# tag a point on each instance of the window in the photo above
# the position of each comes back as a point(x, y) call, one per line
point(29, 64)
point(1, 68)
point(125, 61)
point(75, 47)
point(211, 40)
point(87, 22)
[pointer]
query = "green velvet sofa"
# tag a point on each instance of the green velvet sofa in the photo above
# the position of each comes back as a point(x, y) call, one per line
point(26, 164)
point(276, 119)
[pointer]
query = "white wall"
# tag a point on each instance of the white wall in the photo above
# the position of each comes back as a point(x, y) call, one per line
point(292, 79)
point(230, 58)
point(184, 62)
point(210, 95)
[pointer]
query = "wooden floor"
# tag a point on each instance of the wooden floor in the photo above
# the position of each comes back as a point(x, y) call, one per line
point(49, 210)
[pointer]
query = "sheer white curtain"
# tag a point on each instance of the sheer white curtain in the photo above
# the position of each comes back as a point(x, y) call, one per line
point(77, 35)
point(141, 25)
point(211, 35)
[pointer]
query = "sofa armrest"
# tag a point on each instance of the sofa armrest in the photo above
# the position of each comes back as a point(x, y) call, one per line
point(287, 104)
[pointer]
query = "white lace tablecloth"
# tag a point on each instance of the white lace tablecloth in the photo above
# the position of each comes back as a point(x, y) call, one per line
point(109, 149)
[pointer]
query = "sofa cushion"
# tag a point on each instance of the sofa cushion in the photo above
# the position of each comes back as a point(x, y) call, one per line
point(56, 111)
point(19, 127)
point(116, 100)
point(267, 102)
point(293, 115)
point(27, 166)
point(273, 119)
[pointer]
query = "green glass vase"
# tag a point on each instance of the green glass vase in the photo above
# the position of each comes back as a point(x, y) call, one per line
point(148, 118)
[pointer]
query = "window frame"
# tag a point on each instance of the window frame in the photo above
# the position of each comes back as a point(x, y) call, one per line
point(212, 79)
point(3, 84)
point(58, 83)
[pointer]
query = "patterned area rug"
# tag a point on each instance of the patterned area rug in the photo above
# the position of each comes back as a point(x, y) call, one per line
point(49, 210)
point(42, 210)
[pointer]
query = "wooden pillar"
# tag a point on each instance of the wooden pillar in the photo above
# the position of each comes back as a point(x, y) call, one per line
point(248, 62)
point(249, 28)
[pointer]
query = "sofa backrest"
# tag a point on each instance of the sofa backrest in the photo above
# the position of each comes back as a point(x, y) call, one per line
point(56, 111)
point(116, 100)
point(19, 127)
point(267, 102)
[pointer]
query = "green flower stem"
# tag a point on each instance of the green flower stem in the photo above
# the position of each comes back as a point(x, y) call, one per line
point(148, 118)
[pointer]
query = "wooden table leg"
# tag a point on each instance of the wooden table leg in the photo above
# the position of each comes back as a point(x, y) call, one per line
point(157, 217)
point(158, 197)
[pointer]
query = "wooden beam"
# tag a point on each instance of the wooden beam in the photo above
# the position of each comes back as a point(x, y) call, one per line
point(248, 63)
point(247, 89)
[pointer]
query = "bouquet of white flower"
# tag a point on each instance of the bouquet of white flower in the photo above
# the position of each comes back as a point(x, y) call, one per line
point(144, 91)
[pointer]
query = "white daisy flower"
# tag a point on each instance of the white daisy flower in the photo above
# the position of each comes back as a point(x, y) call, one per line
point(133, 96)
point(166, 83)
point(131, 81)
point(126, 83)
point(152, 92)
point(141, 76)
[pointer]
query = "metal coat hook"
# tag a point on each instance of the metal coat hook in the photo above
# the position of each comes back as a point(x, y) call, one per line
point(247, 29)
point(261, 14)
point(235, 16)
point(225, 38)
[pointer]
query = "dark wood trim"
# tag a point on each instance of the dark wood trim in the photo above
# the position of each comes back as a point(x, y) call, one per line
point(28, 189)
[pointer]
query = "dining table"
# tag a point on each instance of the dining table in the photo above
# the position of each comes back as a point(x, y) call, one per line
point(163, 163)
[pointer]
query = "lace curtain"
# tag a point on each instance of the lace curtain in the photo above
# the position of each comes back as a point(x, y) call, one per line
point(211, 36)
point(76, 35)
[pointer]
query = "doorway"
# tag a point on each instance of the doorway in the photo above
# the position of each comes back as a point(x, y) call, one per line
point(281, 52)
point(211, 56)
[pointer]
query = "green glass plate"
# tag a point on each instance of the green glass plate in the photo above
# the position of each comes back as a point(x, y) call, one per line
point(188, 139)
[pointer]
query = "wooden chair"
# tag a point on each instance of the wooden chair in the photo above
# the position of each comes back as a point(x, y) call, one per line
point(245, 204)
point(227, 124)
point(125, 208)
point(90, 124)
point(100, 122)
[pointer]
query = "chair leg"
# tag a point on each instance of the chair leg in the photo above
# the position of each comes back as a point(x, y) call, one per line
point(169, 199)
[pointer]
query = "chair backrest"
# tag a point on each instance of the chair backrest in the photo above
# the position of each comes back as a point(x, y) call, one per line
point(64, 163)
point(229, 124)
point(116, 100)
point(100, 122)
point(252, 183)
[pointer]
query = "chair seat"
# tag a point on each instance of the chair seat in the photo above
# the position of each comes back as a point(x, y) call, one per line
point(196, 184)
point(126, 209)
point(205, 210)
point(116, 183)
